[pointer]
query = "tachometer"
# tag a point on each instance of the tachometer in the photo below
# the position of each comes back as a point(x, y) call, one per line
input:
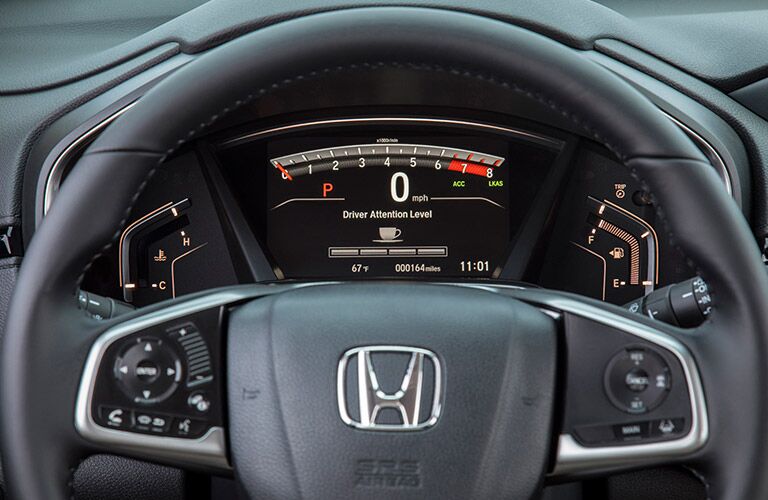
point(387, 155)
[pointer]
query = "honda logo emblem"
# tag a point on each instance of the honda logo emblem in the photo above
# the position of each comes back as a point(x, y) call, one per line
point(406, 399)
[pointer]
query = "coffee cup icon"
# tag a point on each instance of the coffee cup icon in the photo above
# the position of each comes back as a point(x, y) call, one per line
point(389, 235)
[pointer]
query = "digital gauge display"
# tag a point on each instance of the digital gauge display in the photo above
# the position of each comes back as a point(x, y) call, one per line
point(401, 198)
point(389, 208)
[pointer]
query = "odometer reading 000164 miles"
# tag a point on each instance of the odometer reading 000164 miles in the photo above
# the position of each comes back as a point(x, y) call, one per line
point(389, 208)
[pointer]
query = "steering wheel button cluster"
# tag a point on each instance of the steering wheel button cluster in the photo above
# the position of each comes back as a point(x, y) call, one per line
point(144, 388)
point(645, 430)
point(148, 371)
point(637, 380)
point(150, 422)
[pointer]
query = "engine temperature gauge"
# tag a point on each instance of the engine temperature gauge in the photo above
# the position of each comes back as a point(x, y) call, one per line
point(158, 254)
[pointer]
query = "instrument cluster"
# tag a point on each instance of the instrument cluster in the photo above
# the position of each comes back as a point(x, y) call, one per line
point(391, 197)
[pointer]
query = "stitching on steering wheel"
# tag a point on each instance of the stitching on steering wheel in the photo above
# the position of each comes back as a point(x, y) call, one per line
point(698, 475)
point(661, 216)
point(71, 480)
point(538, 96)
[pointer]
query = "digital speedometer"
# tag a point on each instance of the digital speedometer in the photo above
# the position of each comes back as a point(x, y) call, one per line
point(388, 208)
point(390, 199)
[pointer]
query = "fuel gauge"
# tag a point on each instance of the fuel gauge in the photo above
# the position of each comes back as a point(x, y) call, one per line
point(622, 252)
point(604, 243)
point(158, 255)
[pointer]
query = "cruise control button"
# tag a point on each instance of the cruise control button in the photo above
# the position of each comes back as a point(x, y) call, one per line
point(662, 381)
point(636, 380)
point(667, 427)
point(637, 405)
point(637, 430)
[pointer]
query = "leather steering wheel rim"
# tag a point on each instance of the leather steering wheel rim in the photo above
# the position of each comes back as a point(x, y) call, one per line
point(47, 337)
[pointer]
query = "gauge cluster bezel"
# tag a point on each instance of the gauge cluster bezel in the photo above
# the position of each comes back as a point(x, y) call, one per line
point(527, 253)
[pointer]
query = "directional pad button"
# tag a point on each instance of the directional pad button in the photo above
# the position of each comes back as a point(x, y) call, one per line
point(148, 371)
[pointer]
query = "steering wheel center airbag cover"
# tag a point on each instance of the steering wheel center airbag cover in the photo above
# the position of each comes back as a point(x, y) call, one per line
point(498, 359)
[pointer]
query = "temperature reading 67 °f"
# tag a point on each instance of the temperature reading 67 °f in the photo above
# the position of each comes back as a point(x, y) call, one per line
point(359, 268)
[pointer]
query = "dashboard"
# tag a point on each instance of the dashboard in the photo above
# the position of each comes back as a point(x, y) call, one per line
point(402, 172)
point(385, 196)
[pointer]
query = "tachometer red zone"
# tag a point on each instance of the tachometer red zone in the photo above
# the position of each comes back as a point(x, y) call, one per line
point(470, 167)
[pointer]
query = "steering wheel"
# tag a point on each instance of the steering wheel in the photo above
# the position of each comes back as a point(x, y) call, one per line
point(498, 387)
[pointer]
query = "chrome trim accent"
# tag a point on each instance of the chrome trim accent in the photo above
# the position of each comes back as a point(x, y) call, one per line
point(54, 179)
point(372, 399)
point(387, 119)
point(295, 160)
point(56, 173)
point(574, 458)
point(714, 157)
point(208, 450)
